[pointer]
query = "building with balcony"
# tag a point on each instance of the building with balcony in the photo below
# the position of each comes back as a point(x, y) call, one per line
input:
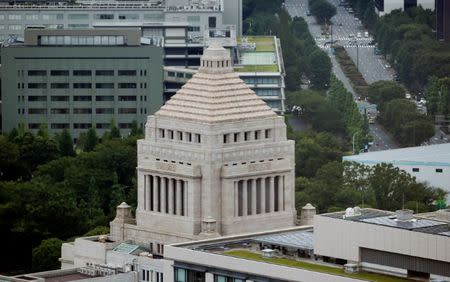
point(80, 79)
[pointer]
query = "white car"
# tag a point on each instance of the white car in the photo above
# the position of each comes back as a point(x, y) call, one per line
point(358, 35)
point(366, 34)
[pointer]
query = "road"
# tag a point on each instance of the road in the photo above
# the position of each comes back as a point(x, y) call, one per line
point(372, 66)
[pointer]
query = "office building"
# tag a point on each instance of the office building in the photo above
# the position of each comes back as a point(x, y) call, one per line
point(386, 6)
point(443, 20)
point(429, 164)
point(79, 79)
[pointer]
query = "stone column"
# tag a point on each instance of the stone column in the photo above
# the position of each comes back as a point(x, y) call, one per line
point(236, 198)
point(170, 197)
point(185, 198)
point(155, 193)
point(244, 198)
point(280, 193)
point(272, 194)
point(262, 187)
point(163, 194)
point(254, 202)
point(147, 192)
point(179, 197)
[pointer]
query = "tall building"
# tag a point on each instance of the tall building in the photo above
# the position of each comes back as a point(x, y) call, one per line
point(443, 20)
point(215, 161)
point(78, 79)
point(386, 6)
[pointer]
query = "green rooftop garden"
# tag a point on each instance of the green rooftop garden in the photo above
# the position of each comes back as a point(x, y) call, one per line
point(314, 267)
point(257, 68)
point(263, 43)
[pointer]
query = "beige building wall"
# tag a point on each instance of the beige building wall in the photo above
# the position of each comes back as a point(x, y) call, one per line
point(343, 239)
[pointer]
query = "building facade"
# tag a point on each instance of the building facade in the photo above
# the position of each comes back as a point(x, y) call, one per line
point(443, 20)
point(386, 6)
point(215, 161)
point(80, 79)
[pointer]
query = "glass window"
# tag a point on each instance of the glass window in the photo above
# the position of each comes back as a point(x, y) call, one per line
point(415, 169)
point(78, 26)
point(2, 17)
point(193, 18)
point(82, 125)
point(212, 22)
point(59, 111)
point(104, 111)
point(78, 16)
point(104, 85)
point(82, 85)
point(82, 111)
point(82, 72)
point(128, 16)
point(59, 85)
point(154, 17)
point(104, 98)
point(37, 111)
point(32, 17)
point(59, 73)
point(82, 98)
point(104, 16)
point(37, 98)
point(439, 170)
point(127, 98)
point(60, 126)
point(127, 110)
point(180, 275)
point(104, 72)
point(37, 85)
point(127, 85)
point(60, 98)
point(37, 73)
point(127, 72)
point(14, 17)
point(15, 27)
point(52, 16)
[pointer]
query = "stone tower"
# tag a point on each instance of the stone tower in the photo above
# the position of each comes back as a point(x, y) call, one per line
point(215, 160)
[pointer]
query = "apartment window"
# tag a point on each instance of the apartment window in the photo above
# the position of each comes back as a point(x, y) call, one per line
point(127, 72)
point(32, 17)
point(415, 169)
point(52, 16)
point(82, 125)
point(127, 110)
point(128, 16)
point(82, 85)
point(125, 125)
point(439, 170)
point(82, 98)
point(104, 85)
point(37, 85)
point(59, 73)
point(78, 16)
point(60, 126)
point(59, 111)
point(78, 26)
point(104, 98)
point(37, 73)
point(82, 73)
point(212, 22)
point(37, 98)
point(37, 111)
point(194, 28)
point(59, 85)
point(60, 99)
point(14, 17)
point(104, 111)
point(104, 16)
point(127, 98)
point(102, 125)
point(14, 27)
point(34, 125)
point(171, 74)
point(127, 85)
point(82, 111)
point(104, 72)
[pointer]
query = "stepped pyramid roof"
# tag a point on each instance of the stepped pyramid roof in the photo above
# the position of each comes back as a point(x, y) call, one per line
point(215, 94)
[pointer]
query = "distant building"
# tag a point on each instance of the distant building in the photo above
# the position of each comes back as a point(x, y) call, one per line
point(385, 241)
point(443, 20)
point(430, 164)
point(386, 6)
point(78, 79)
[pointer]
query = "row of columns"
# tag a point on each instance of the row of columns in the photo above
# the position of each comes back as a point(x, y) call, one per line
point(259, 196)
point(165, 195)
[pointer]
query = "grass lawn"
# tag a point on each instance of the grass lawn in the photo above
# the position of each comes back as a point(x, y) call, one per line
point(314, 267)
point(258, 68)
point(263, 43)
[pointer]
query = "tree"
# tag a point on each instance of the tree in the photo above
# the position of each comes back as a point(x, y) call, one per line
point(99, 230)
point(9, 155)
point(322, 10)
point(136, 130)
point(66, 144)
point(381, 92)
point(46, 255)
point(91, 140)
point(320, 69)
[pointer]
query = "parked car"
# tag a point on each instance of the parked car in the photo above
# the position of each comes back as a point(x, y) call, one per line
point(366, 34)
point(358, 35)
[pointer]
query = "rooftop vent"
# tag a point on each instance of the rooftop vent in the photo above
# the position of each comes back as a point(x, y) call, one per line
point(404, 215)
point(350, 212)
point(268, 253)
